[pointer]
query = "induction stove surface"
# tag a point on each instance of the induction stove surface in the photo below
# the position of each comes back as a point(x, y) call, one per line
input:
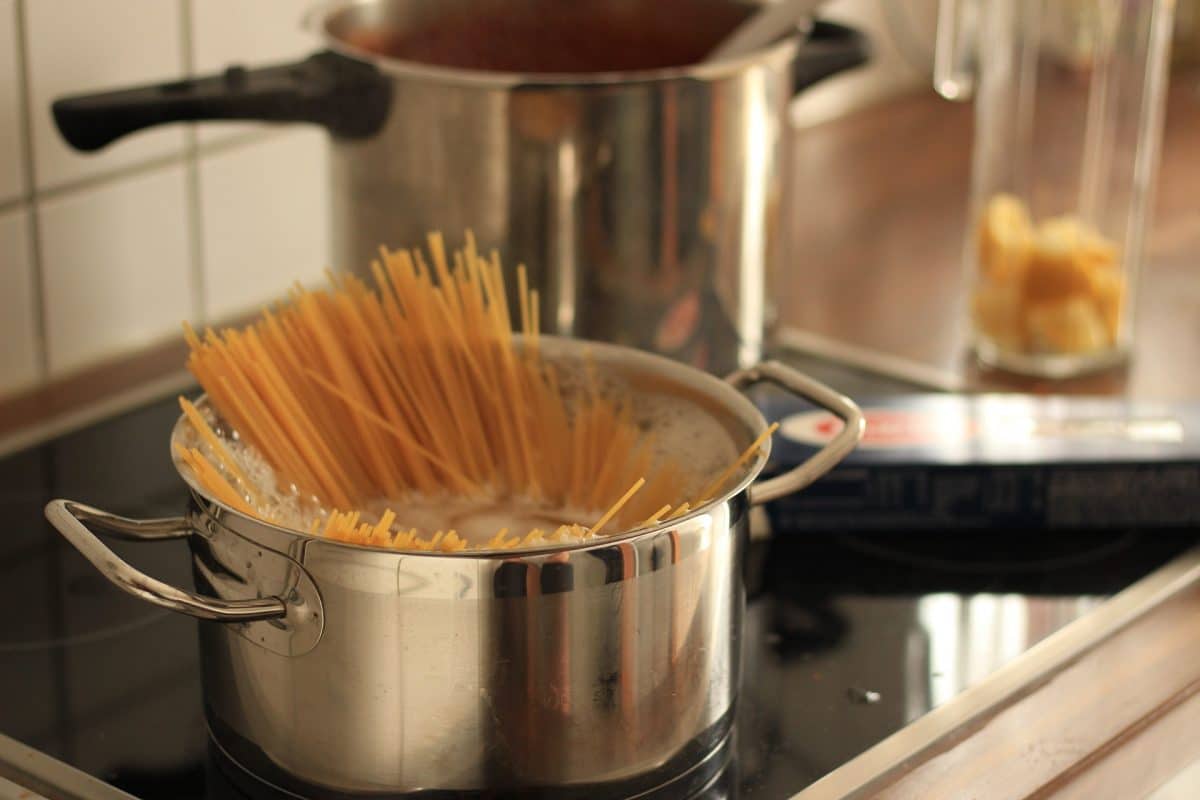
point(848, 638)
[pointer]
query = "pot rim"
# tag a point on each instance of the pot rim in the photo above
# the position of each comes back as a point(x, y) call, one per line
point(709, 386)
point(316, 19)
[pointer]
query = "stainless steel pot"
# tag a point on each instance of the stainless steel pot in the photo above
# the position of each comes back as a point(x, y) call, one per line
point(645, 204)
point(609, 669)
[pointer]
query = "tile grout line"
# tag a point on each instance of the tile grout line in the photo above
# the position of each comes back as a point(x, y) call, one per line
point(140, 168)
point(134, 170)
point(196, 254)
point(29, 199)
point(32, 197)
point(16, 203)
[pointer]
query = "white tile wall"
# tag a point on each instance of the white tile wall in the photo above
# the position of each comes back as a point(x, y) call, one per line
point(115, 267)
point(77, 47)
point(19, 360)
point(264, 220)
point(226, 32)
point(118, 247)
point(11, 178)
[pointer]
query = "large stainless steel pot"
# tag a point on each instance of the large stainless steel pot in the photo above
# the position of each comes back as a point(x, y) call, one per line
point(647, 205)
point(609, 669)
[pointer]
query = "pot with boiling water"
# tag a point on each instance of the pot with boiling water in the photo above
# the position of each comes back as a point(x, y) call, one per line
point(606, 668)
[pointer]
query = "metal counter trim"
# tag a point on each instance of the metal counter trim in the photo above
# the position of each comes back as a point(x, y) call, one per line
point(35, 771)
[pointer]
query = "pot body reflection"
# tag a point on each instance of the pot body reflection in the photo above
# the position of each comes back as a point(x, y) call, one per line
point(604, 668)
point(646, 205)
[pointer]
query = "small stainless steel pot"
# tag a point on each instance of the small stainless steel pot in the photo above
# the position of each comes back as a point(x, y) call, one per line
point(608, 669)
point(647, 205)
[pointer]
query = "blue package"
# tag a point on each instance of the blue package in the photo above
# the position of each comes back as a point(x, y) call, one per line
point(939, 462)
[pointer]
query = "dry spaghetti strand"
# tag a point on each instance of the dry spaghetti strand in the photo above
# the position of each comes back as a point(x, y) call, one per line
point(746, 455)
point(218, 447)
point(416, 385)
point(612, 512)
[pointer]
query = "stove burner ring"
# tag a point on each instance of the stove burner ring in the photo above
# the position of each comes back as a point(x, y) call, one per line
point(971, 564)
point(51, 597)
point(88, 637)
point(711, 777)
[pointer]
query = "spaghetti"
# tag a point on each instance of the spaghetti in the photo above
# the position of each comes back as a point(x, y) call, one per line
point(417, 387)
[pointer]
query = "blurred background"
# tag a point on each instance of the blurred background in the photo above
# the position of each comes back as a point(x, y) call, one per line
point(104, 254)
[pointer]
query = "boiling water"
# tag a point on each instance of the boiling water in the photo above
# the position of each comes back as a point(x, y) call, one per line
point(683, 433)
point(478, 519)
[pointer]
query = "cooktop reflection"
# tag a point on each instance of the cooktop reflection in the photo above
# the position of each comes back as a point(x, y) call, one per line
point(848, 637)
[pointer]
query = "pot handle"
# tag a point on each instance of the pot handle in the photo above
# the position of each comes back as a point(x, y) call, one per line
point(72, 521)
point(350, 98)
point(815, 392)
point(828, 49)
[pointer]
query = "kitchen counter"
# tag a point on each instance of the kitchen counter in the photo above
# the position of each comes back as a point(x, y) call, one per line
point(877, 253)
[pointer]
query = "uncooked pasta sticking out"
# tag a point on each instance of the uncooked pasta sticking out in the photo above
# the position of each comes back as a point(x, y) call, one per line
point(407, 415)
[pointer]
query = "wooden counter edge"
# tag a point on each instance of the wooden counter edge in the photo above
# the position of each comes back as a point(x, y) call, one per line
point(89, 394)
point(98, 391)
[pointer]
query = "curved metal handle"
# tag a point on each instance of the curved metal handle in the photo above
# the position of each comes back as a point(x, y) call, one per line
point(816, 392)
point(132, 530)
point(72, 519)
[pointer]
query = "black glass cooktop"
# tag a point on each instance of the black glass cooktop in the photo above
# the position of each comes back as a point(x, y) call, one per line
point(849, 637)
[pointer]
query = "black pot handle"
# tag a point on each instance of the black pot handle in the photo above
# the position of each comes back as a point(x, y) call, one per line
point(350, 98)
point(829, 49)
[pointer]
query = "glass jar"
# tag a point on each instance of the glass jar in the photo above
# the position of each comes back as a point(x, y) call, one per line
point(1069, 100)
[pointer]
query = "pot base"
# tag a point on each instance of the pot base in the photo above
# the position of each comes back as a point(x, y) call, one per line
point(704, 768)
